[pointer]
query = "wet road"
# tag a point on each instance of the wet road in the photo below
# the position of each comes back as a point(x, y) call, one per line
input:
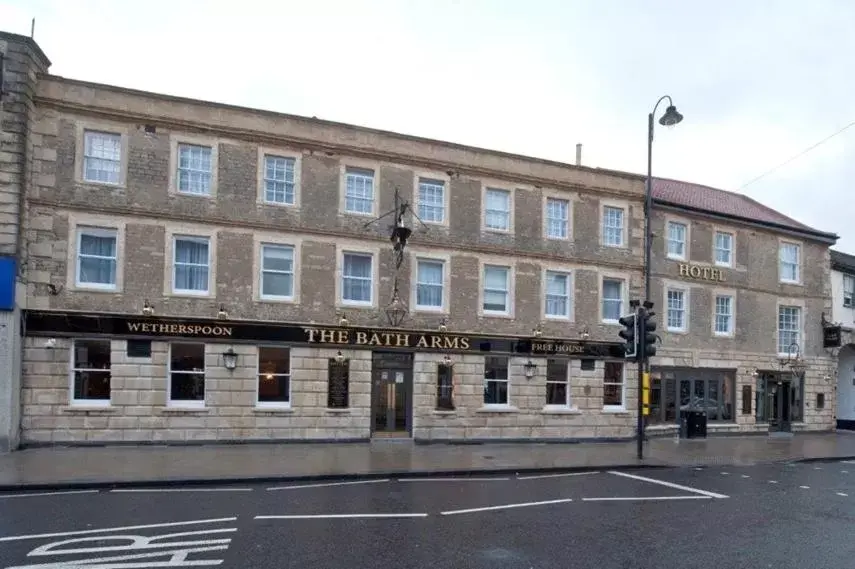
point(779, 516)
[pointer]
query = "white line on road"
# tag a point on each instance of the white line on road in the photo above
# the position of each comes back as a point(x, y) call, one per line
point(462, 479)
point(48, 493)
point(844, 472)
point(745, 476)
point(805, 487)
point(773, 482)
point(142, 490)
point(321, 485)
point(817, 468)
point(106, 530)
point(669, 484)
point(639, 498)
point(725, 473)
point(848, 461)
point(505, 507)
point(557, 475)
point(338, 516)
point(842, 494)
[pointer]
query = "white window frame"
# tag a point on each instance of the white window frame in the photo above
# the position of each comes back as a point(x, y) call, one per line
point(622, 406)
point(731, 321)
point(288, 160)
point(507, 382)
point(568, 275)
point(73, 401)
point(198, 239)
point(274, 404)
point(509, 292)
point(209, 173)
point(547, 219)
point(341, 276)
point(669, 240)
point(798, 332)
point(798, 264)
point(264, 245)
point(487, 188)
point(186, 403)
point(359, 170)
point(444, 264)
point(568, 403)
point(115, 136)
point(715, 247)
point(605, 208)
point(101, 232)
point(685, 310)
point(83, 126)
point(623, 294)
point(435, 180)
point(848, 291)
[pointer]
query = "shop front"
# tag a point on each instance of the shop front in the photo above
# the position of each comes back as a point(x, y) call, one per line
point(91, 378)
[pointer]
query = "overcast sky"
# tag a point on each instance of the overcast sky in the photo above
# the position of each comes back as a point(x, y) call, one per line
point(758, 81)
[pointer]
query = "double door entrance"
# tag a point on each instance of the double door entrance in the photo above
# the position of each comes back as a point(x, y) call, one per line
point(391, 394)
point(779, 400)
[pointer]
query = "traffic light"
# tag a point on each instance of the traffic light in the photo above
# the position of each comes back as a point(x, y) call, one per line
point(648, 335)
point(630, 335)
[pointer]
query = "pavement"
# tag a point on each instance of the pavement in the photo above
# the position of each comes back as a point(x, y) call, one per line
point(128, 466)
point(775, 515)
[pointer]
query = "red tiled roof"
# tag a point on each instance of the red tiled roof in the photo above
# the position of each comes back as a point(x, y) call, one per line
point(722, 202)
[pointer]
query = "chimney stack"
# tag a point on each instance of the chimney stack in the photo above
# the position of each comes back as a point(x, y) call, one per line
point(579, 154)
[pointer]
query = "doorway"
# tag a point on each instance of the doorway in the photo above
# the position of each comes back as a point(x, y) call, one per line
point(391, 394)
point(779, 400)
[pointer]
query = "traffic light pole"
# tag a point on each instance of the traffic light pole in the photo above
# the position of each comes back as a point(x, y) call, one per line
point(641, 318)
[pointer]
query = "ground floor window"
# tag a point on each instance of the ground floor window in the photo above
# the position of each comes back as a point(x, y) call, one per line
point(496, 380)
point(557, 382)
point(274, 376)
point(187, 374)
point(445, 387)
point(613, 385)
point(674, 390)
point(90, 372)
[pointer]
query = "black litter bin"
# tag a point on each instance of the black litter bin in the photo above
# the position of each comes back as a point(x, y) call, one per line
point(696, 425)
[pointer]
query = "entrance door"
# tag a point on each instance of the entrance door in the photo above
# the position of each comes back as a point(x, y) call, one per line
point(391, 394)
point(779, 395)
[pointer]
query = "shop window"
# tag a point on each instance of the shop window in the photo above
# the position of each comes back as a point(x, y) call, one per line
point(675, 390)
point(338, 384)
point(496, 384)
point(90, 369)
point(187, 374)
point(613, 385)
point(274, 376)
point(557, 382)
point(445, 387)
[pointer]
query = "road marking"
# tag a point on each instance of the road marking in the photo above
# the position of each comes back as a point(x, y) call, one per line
point(805, 487)
point(725, 473)
point(848, 461)
point(451, 479)
point(337, 516)
point(632, 498)
point(669, 484)
point(842, 494)
point(817, 468)
point(773, 482)
point(324, 484)
point(698, 468)
point(30, 495)
point(745, 476)
point(107, 530)
point(556, 475)
point(505, 507)
point(844, 472)
point(142, 490)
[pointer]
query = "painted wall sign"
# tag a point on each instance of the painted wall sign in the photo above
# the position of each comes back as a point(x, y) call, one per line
point(60, 323)
point(701, 273)
point(831, 336)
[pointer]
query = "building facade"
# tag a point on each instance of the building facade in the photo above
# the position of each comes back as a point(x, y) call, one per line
point(199, 272)
point(843, 319)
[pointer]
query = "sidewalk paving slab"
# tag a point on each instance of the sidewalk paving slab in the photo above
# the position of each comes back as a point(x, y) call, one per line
point(159, 465)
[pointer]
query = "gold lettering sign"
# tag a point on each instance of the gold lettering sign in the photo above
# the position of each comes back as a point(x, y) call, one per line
point(557, 348)
point(387, 339)
point(172, 329)
point(700, 273)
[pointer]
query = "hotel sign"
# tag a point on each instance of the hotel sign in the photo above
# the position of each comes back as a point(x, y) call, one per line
point(701, 273)
point(70, 324)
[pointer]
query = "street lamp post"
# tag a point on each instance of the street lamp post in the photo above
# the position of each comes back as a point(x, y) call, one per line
point(670, 118)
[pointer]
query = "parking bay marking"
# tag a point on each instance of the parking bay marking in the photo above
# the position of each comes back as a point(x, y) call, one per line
point(556, 475)
point(35, 494)
point(337, 516)
point(325, 484)
point(505, 507)
point(669, 484)
point(107, 530)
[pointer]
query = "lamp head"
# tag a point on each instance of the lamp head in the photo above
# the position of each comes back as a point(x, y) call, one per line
point(671, 117)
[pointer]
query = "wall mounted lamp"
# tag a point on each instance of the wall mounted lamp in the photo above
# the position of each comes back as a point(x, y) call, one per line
point(147, 308)
point(230, 359)
point(530, 367)
point(339, 357)
point(222, 314)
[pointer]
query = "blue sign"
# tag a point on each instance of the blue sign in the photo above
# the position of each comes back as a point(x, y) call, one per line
point(8, 273)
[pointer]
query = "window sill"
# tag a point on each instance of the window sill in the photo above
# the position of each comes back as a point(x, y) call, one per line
point(497, 409)
point(94, 289)
point(89, 410)
point(356, 305)
point(177, 410)
point(293, 206)
point(99, 184)
point(188, 294)
point(272, 410)
point(559, 410)
point(334, 411)
point(443, 412)
point(557, 318)
point(792, 283)
point(278, 299)
point(504, 315)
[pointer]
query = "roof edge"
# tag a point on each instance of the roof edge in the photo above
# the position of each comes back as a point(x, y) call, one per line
point(29, 42)
point(360, 128)
point(812, 234)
